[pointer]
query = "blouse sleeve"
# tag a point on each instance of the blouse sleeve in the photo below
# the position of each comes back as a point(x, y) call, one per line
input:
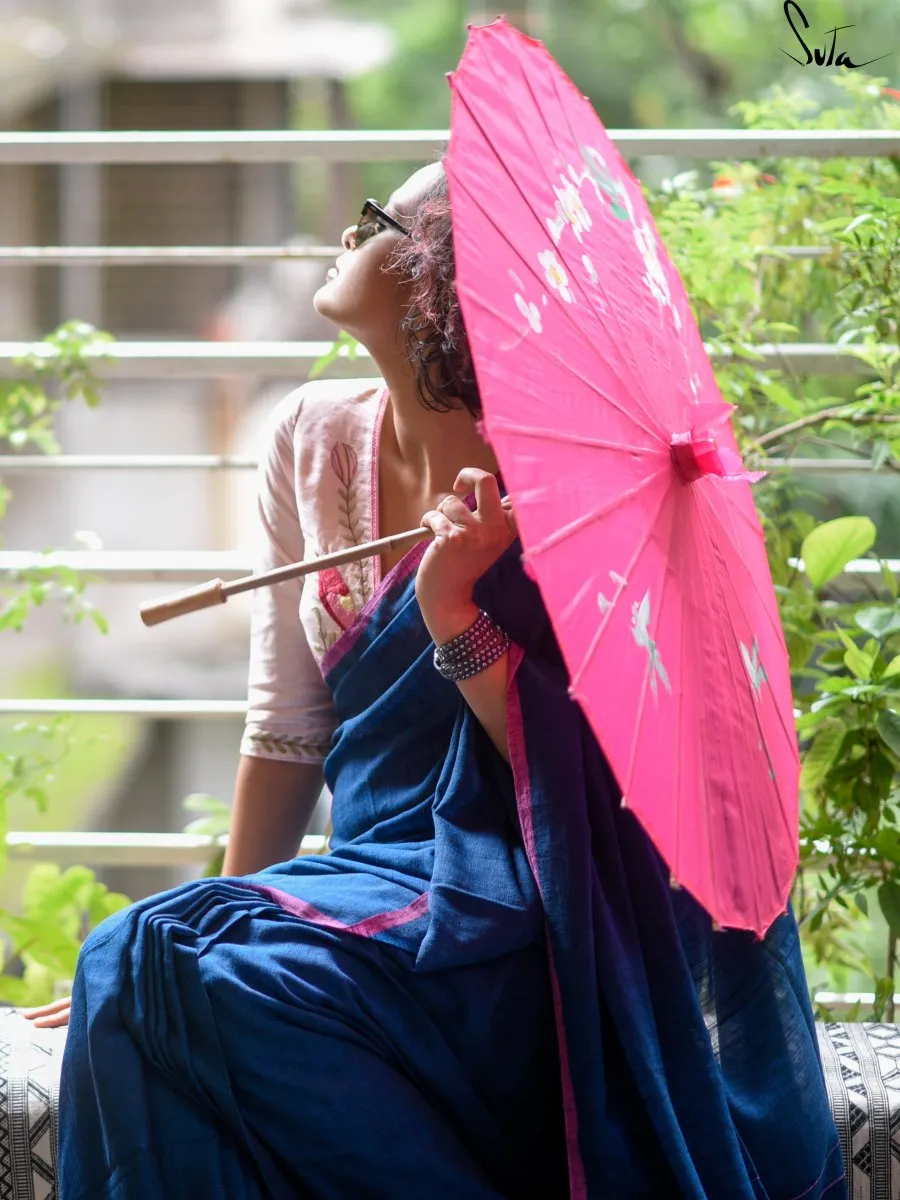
point(290, 712)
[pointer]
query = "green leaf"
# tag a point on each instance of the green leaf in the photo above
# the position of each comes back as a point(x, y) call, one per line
point(858, 661)
point(831, 658)
point(892, 669)
point(201, 802)
point(821, 754)
point(15, 991)
point(782, 398)
point(833, 685)
point(887, 725)
point(828, 549)
point(862, 903)
point(809, 722)
point(800, 650)
point(879, 621)
point(99, 620)
point(889, 901)
point(344, 345)
point(103, 904)
point(886, 845)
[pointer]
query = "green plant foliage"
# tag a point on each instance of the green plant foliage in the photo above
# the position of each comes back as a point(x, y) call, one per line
point(212, 824)
point(828, 548)
point(843, 634)
point(58, 908)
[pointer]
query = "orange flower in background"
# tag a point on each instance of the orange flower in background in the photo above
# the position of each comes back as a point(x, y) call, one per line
point(727, 186)
point(892, 92)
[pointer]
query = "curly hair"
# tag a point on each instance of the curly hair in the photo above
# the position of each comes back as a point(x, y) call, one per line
point(433, 327)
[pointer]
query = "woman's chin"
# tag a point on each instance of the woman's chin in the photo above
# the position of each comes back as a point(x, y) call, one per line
point(324, 302)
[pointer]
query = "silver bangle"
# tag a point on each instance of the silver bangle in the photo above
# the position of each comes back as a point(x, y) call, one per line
point(475, 649)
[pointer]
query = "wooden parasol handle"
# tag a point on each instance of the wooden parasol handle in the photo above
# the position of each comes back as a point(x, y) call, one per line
point(217, 592)
point(204, 596)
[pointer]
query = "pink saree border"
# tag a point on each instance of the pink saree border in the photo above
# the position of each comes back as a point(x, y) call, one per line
point(351, 634)
point(515, 736)
point(365, 928)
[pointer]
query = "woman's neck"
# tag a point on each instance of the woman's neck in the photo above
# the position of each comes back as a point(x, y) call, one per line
point(425, 446)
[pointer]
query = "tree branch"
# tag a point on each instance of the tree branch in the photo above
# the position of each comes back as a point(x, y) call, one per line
point(844, 411)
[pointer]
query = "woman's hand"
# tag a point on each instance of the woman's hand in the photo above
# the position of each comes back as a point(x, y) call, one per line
point(465, 545)
point(50, 1016)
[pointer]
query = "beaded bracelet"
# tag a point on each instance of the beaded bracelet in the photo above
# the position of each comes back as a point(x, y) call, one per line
point(472, 651)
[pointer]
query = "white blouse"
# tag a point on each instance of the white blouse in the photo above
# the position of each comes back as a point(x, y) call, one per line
point(317, 494)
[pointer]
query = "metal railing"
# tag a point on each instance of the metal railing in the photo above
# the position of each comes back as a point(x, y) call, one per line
point(171, 360)
point(203, 360)
point(26, 464)
point(126, 849)
point(416, 145)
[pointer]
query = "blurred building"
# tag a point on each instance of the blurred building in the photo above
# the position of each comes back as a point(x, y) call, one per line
point(134, 65)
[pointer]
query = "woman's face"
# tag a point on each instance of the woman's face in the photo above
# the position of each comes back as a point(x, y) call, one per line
point(359, 295)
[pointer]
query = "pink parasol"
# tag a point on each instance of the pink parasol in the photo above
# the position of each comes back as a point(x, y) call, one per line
point(635, 514)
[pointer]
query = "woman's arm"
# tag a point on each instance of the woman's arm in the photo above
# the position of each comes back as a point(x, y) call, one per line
point(466, 543)
point(273, 804)
point(290, 713)
point(485, 693)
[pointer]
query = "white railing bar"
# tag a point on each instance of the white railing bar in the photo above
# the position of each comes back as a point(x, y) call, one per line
point(13, 464)
point(859, 566)
point(168, 567)
point(127, 849)
point(205, 360)
point(846, 999)
point(798, 251)
point(169, 848)
point(188, 360)
point(419, 145)
point(133, 566)
point(160, 710)
point(819, 466)
point(24, 463)
point(221, 146)
point(131, 256)
point(178, 256)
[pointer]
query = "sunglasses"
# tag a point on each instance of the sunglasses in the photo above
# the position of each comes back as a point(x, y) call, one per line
point(373, 219)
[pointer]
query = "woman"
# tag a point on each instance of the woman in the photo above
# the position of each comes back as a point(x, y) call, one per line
point(487, 988)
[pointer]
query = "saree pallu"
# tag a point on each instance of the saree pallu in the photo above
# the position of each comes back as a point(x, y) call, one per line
point(486, 989)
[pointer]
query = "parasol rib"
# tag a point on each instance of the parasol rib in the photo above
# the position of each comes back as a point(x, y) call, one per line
point(661, 437)
point(566, 531)
point(735, 768)
point(557, 435)
point(790, 734)
point(601, 628)
point(711, 518)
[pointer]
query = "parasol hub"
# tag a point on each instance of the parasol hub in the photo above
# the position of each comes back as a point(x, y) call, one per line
point(698, 453)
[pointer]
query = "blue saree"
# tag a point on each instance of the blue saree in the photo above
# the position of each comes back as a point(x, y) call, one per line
point(486, 989)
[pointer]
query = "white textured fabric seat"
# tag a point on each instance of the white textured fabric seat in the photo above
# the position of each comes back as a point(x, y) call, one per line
point(862, 1070)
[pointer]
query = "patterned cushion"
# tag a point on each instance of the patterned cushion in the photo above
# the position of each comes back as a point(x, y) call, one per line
point(862, 1070)
point(29, 1097)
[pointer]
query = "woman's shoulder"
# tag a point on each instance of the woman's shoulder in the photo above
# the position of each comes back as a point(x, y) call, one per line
point(323, 404)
